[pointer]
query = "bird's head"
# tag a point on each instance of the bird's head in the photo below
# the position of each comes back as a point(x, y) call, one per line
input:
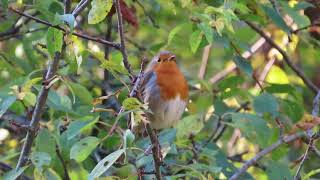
point(165, 57)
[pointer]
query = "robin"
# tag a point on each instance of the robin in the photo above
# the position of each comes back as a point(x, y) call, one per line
point(165, 90)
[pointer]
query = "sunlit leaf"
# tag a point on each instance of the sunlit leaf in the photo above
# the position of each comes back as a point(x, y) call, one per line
point(131, 103)
point(189, 125)
point(105, 164)
point(54, 40)
point(195, 40)
point(99, 10)
point(83, 148)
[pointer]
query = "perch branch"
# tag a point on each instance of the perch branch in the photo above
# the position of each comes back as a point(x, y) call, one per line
point(84, 36)
point(205, 57)
point(36, 115)
point(156, 151)
point(286, 57)
point(121, 35)
point(80, 7)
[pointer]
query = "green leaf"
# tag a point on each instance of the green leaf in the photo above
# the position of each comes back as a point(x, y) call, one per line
point(30, 99)
point(82, 93)
point(83, 148)
point(59, 102)
point(14, 174)
point(40, 159)
point(54, 41)
point(114, 67)
point(189, 125)
point(278, 170)
point(76, 127)
point(293, 110)
point(131, 103)
point(69, 19)
point(48, 174)
point(4, 4)
point(99, 10)
point(230, 82)
point(45, 142)
point(174, 32)
point(243, 65)
point(276, 18)
point(102, 167)
point(128, 138)
point(207, 30)
point(266, 103)
point(6, 103)
point(195, 40)
point(253, 127)
point(277, 76)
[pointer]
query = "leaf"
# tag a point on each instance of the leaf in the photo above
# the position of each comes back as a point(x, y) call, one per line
point(253, 127)
point(6, 103)
point(277, 76)
point(69, 19)
point(30, 99)
point(266, 103)
point(278, 170)
point(82, 93)
point(131, 103)
point(99, 10)
point(114, 67)
point(54, 41)
point(77, 127)
point(45, 142)
point(293, 110)
point(195, 40)
point(83, 148)
point(189, 125)
point(174, 32)
point(47, 174)
point(40, 159)
point(207, 30)
point(14, 174)
point(243, 65)
point(59, 102)
point(276, 18)
point(230, 82)
point(100, 168)
point(128, 138)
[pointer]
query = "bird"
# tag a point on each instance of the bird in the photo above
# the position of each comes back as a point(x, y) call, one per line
point(165, 90)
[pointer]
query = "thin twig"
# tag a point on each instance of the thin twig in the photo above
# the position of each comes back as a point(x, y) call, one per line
point(38, 111)
point(305, 27)
point(80, 7)
point(286, 57)
point(84, 36)
point(67, 6)
point(264, 152)
point(247, 54)
point(122, 42)
point(205, 57)
point(156, 151)
point(265, 71)
point(303, 159)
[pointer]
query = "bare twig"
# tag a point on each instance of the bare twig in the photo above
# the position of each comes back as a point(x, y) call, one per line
point(156, 151)
point(121, 35)
point(286, 57)
point(67, 6)
point(205, 57)
point(310, 144)
point(38, 111)
point(264, 152)
point(80, 7)
point(305, 27)
point(255, 47)
point(265, 71)
point(84, 36)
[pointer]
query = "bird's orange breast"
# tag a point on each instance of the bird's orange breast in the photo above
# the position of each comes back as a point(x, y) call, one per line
point(171, 81)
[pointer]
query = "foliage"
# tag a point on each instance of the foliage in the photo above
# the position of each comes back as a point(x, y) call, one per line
point(227, 121)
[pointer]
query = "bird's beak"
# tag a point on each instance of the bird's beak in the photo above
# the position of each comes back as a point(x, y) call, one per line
point(171, 58)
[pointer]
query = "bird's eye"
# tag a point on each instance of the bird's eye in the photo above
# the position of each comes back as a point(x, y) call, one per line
point(159, 60)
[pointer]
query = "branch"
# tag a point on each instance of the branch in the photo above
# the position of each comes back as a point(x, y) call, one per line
point(286, 58)
point(84, 36)
point(5, 167)
point(121, 35)
point(303, 28)
point(38, 111)
point(67, 6)
point(63, 163)
point(247, 54)
point(205, 57)
point(80, 7)
point(156, 151)
point(264, 152)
